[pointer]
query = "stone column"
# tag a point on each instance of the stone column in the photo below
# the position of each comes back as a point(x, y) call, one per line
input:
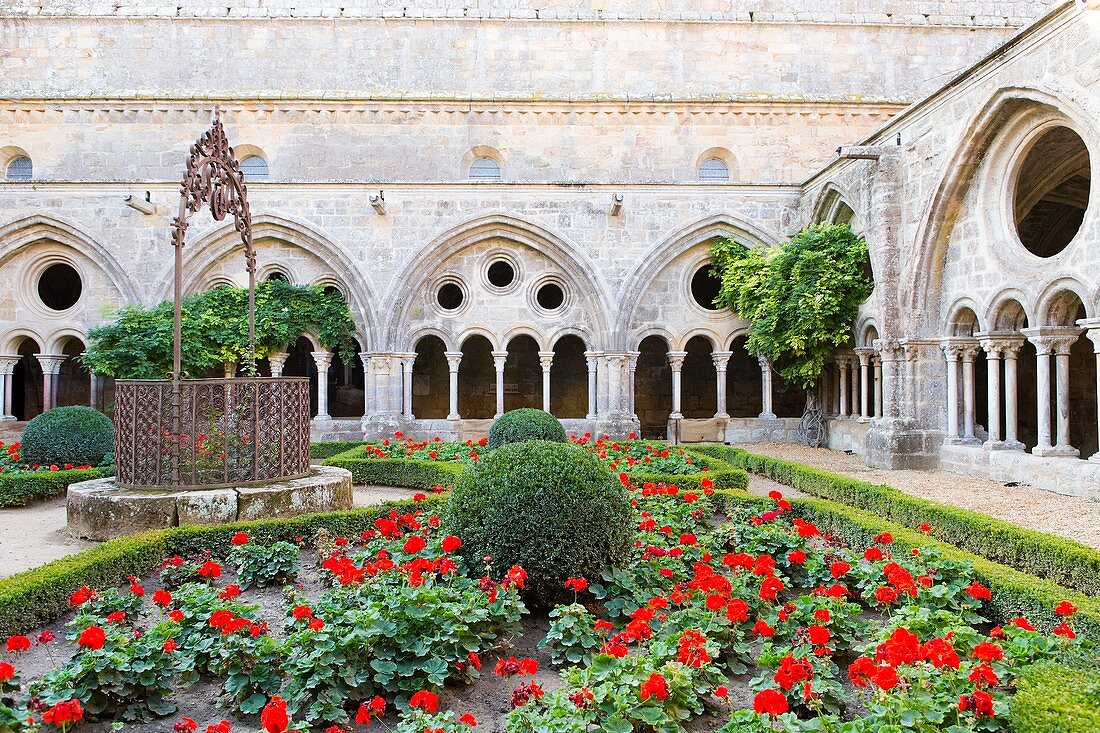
point(1042, 394)
point(863, 353)
point(276, 362)
point(499, 357)
point(676, 361)
point(615, 369)
point(1011, 352)
point(853, 365)
point(721, 360)
point(454, 358)
point(632, 368)
point(94, 383)
point(368, 391)
point(590, 357)
point(968, 354)
point(951, 353)
point(766, 388)
point(323, 360)
point(51, 368)
point(1062, 346)
point(407, 361)
point(994, 349)
point(546, 360)
point(878, 385)
point(1054, 340)
point(7, 379)
point(1093, 333)
point(843, 365)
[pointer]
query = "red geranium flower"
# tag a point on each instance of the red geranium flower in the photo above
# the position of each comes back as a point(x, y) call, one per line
point(414, 545)
point(656, 686)
point(425, 700)
point(92, 638)
point(1065, 608)
point(273, 717)
point(451, 543)
point(770, 702)
point(240, 538)
point(18, 644)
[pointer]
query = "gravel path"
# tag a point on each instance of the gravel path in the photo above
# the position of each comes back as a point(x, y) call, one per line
point(34, 535)
point(1065, 516)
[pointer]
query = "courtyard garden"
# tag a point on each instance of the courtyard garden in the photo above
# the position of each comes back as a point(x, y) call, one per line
point(542, 582)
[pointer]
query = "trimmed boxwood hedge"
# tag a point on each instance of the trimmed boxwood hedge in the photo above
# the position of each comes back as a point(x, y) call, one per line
point(1015, 593)
point(1063, 561)
point(1056, 698)
point(36, 597)
point(17, 489)
point(407, 472)
point(722, 474)
point(328, 448)
point(523, 424)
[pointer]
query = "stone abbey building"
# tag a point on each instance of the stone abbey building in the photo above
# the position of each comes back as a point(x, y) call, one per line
point(516, 198)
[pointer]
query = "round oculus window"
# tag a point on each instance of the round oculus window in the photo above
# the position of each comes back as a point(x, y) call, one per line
point(60, 287)
point(449, 296)
point(501, 274)
point(705, 287)
point(550, 296)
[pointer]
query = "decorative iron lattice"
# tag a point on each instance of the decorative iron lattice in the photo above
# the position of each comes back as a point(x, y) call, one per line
point(233, 432)
point(185, 433)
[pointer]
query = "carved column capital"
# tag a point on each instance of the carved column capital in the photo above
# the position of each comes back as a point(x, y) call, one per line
point(721, 359)
point(546, 360)
point(676, 360)
point(454, 358)
point(51, 363)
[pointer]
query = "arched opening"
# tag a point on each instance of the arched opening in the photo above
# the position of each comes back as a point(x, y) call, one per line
point(714, 169)
point(569, 379)
point(744, 385)
point(653, 387)
point(788, 399)
point(346, 384)
point(522, 374)
point(699, 380)
point(431, 379)
point(485, 169)
point(26, 397)
point(476, 380)
point(1052, 192)
point(300, 363)
point(254, 168)
point(1064, 310)
point(74, 381)
point(19, 169)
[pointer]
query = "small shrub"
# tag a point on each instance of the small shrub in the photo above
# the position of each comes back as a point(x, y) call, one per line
point(524, 424)
point(77, 435)
point(551, 508)
point(260, 565)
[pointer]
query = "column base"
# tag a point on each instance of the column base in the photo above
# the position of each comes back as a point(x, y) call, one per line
point(721, 416)
point(960, 440)
point(676, 416)
point(7, 418)
point(1005, 445)
point(454, 416)
point(1057, 451)
point(767, 416)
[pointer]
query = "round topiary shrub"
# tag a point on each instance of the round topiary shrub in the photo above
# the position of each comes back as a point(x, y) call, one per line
point(551, 508)
point(526, 423)
point(77, 435)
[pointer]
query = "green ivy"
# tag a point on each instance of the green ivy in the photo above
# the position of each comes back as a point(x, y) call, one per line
point(801, 297)
point(138, 345)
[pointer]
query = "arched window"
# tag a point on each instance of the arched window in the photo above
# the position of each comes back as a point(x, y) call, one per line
point(714, 169)
point(19, 169)
point(254, 168)
point(485, 169)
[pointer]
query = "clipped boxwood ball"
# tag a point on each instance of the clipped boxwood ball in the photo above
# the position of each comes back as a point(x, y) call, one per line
point(526, 423)
point(77, 435)
point(551, 508)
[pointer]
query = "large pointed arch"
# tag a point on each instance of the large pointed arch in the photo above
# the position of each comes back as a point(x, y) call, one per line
point(218, 243)
point(565, 255)
point(929, 254)
point(639, 279)
point(23, 232)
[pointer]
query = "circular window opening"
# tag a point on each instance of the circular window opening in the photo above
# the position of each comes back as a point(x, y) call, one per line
point(550, 296)
point(59, 287)
point(1052, 192)
point(705, 287)
point(501, 274)
point(449, 297)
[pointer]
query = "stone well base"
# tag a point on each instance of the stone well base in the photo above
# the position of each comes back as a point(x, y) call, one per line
point(99, 510)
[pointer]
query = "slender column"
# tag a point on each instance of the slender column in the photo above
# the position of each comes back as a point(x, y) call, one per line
point(454, 358)
point(546, 360)
point(94, 382)
point(878, 385)
point(969, 353)
point(7, 378)
point(1053, 340)
point(590, 357)
point(1094, 336)
point(323, 360)
point(1062, 346)
point(721, 361)
point(843, 364)
point(994, 349)
point(499, 357)
point(1042, 394)
point(51, 368)
point(863, 353)
point(277, 362)
point(407, 361)
point(951, 354)
point(1011, 352)
point(632, 368)
point(853, 365)
point(616, 367)
point(676, 361)
point(368, 392)
point(766, 388)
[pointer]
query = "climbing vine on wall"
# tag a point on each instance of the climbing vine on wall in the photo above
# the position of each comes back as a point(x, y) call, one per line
point(138, 345)
point(801, 297)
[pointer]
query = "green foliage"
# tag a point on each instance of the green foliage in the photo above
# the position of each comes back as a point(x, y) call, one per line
point(571, 638)
point(523, 424)
point(549, 507)
point(261, 565)
point(801, 298)
point(1056, 698)
point(322, 449)
point(410, 473)
point(1060, 560)
point(18, 489)
point(76, 435)
point(215, 330)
